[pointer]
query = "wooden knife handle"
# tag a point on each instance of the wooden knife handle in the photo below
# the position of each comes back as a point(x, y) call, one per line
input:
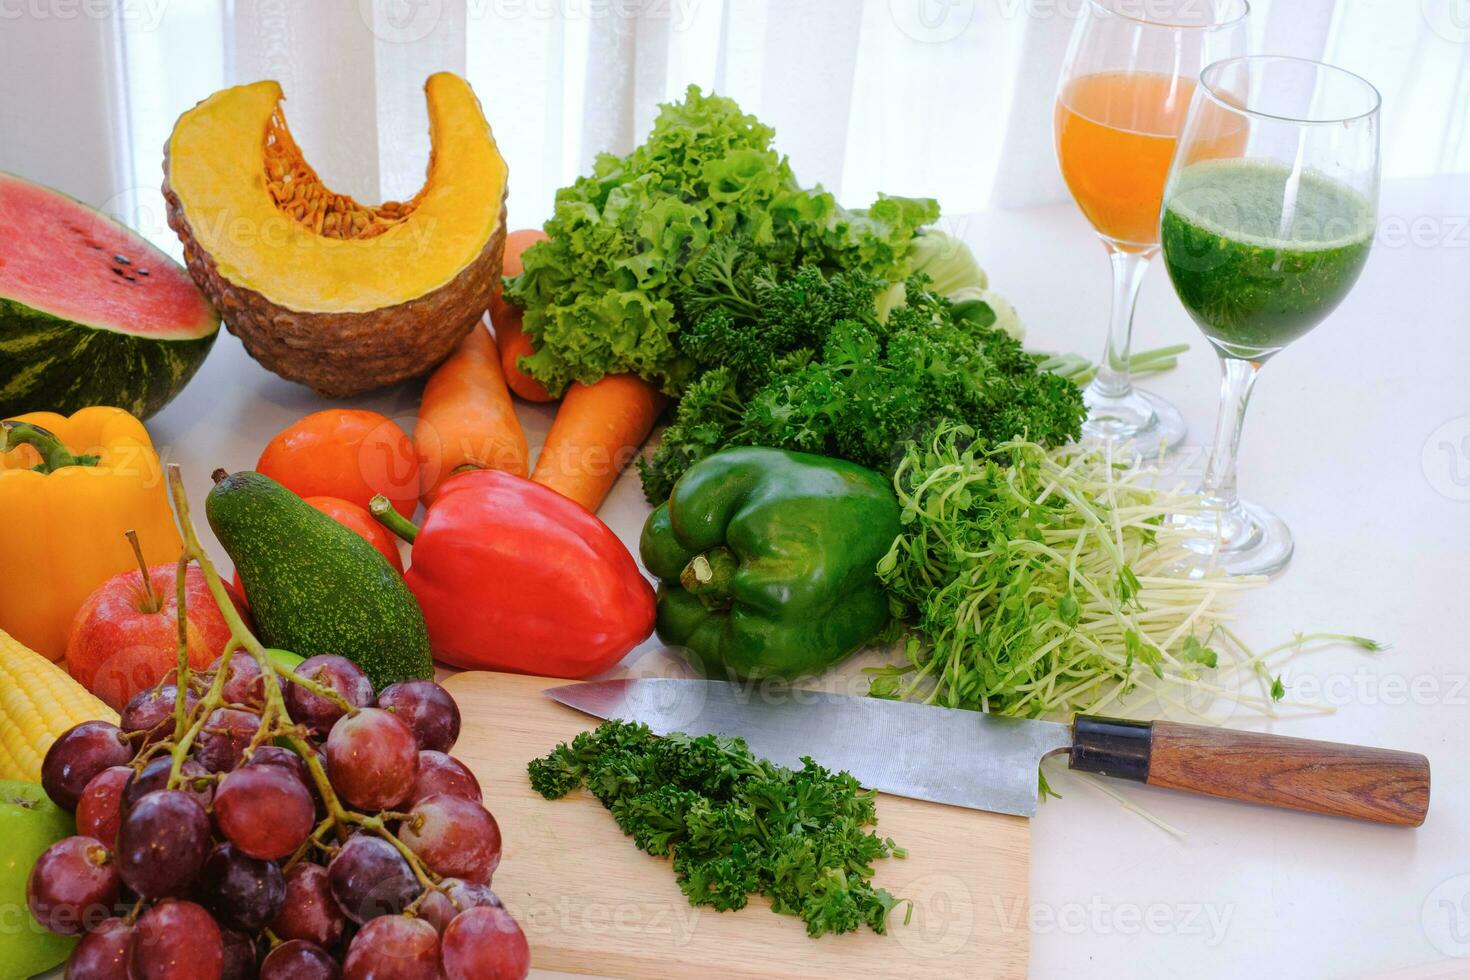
point(1296, 773)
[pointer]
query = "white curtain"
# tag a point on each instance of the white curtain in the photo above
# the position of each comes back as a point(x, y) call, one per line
point(945, 98)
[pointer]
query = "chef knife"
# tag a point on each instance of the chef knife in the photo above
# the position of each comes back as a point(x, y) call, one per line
point(986, 762)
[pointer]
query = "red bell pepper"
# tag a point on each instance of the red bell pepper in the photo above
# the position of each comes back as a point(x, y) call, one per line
point(514, 576)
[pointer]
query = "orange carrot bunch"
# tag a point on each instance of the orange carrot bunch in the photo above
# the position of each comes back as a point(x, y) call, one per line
point(596, 434)
point(506, 318)
point(466, 419)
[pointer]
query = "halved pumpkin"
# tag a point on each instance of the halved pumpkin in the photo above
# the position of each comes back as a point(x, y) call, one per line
point(323, 290)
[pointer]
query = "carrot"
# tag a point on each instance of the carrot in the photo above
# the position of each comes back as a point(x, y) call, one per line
point(514, 345)
point(466, 419)
point(506, 317)
point(596, 434)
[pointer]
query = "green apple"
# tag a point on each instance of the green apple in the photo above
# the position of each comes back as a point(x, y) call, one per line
point(29, 823)
point(284, 658)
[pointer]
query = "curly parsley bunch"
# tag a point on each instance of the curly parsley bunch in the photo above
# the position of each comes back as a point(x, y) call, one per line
point(807, 362)
point(735, 825)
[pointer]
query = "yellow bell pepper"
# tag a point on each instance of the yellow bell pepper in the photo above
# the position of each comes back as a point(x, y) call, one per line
point(70, 490)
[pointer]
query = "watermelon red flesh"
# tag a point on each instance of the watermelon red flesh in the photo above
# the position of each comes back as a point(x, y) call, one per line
point(90, 312)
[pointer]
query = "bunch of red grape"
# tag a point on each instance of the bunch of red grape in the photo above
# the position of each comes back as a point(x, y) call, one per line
point(361, 852)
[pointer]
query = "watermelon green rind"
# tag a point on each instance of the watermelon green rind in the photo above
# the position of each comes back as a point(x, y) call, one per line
point(53, 365)
point(91, 313)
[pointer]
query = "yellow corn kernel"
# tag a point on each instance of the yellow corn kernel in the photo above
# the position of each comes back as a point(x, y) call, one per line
point(38, 702)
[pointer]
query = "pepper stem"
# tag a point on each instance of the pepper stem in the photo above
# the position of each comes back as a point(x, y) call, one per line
point(383, 511)
point(709, 576)
point(54, 455)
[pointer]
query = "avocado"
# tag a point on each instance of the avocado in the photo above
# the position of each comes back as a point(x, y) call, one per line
point(316, 586)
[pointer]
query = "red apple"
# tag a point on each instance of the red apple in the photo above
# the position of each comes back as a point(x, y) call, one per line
point(125, 639)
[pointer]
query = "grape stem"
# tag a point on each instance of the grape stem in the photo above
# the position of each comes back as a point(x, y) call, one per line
point(375, 824)
point(338, 817)
point(211, 700)
point(182, 681)
point(320, 690)
point(412, 908)
point(315, 840)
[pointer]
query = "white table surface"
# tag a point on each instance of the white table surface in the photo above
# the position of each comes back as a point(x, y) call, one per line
point(1360, 436)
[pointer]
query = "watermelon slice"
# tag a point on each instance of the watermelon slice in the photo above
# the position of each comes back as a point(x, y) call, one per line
point(90, 312)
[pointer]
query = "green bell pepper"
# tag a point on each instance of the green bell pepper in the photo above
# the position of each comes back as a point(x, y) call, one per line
point(767, 561)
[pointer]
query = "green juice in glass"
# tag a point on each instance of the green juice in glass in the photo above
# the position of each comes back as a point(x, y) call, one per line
point(1258, 253)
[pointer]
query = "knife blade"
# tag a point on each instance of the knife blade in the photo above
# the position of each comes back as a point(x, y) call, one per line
point(987, 762)
point(964, 758)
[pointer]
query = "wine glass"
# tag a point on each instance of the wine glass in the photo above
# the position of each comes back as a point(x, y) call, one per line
point(1262, 246)
point(1126, 85)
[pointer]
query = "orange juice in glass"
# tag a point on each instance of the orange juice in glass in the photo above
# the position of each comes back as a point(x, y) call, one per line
point(1121, 104)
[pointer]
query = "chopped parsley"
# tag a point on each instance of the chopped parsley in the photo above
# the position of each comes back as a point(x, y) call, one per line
point(734, 824)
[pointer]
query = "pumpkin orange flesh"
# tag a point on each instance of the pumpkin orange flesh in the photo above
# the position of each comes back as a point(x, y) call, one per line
point(253, 204)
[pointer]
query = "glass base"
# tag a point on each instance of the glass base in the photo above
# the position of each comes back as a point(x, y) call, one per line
point(1151, 423)
point(1240, 539)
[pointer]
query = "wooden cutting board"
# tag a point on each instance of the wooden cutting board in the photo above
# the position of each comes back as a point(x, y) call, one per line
point(591, 903)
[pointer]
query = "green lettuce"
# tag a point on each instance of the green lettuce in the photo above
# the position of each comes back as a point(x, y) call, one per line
point(599, 294)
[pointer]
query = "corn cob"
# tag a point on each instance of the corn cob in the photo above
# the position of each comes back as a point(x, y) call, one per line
point(38, 702)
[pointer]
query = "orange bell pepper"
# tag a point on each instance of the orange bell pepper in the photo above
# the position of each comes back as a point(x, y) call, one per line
point(70, 489)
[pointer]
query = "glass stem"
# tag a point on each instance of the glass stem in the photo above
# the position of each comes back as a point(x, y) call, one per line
point(1237, 378)
point(1114, 380)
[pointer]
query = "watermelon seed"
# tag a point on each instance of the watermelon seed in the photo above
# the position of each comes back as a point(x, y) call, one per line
point(142, 272)
point(117, 271)
point(121, 260)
